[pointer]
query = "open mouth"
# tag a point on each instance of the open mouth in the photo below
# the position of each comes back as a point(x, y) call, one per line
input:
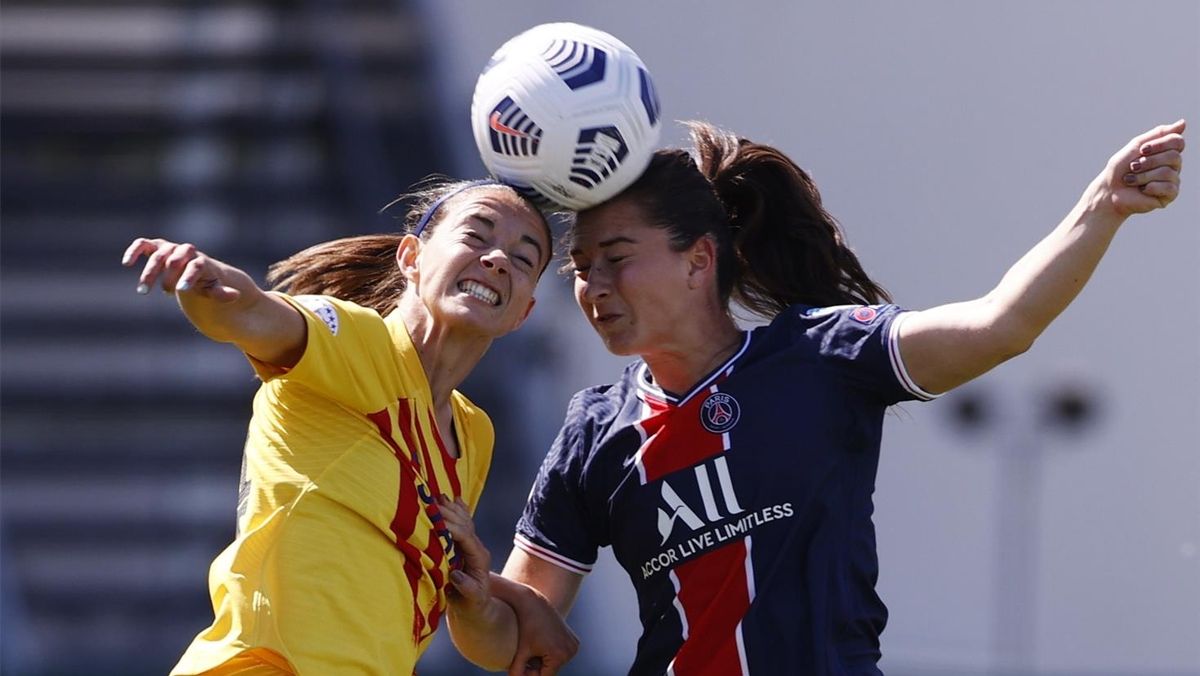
point(476, 290)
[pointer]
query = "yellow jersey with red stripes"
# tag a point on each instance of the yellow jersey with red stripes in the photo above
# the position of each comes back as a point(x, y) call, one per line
point(341, 557)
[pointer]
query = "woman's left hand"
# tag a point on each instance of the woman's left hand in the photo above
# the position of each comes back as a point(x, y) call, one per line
point(471, 582)
point(1144, 175)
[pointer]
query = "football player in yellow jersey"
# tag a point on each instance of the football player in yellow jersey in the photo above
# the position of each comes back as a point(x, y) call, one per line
point(342, 559)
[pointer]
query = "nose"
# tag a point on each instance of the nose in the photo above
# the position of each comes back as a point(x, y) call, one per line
point(595, 287)
point(496, 261)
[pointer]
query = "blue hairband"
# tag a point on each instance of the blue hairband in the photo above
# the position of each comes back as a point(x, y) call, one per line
point(425, 218)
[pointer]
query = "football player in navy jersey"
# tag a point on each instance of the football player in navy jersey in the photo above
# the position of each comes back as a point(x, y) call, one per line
point(732, 471)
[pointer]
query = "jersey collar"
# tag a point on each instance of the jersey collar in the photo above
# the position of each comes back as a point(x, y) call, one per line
point(650, 392)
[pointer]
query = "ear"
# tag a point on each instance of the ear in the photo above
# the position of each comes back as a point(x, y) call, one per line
point(701, 262)
point(406, 258)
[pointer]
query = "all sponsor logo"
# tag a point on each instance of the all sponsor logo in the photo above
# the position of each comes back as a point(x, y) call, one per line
point(719, 518)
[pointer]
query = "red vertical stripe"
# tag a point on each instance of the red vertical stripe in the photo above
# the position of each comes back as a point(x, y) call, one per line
point(448, 461)
point(404, 521)
point(405, 415)
point(715, 595)
point(431, 475)
point(678, 440)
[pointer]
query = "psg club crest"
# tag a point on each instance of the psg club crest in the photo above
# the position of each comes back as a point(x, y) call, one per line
point(719, 412)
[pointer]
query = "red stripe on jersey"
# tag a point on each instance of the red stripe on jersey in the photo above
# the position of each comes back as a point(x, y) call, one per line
point(677, 440)
point(714, 594)
point(431, 476)
point(404, 521)
point(405, 415)
point(448, 461)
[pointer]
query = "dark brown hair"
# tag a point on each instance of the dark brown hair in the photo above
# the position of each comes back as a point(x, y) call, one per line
point(363, 269)
point(777, 246)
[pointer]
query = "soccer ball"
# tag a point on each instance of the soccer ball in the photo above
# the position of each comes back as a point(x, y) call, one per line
point(566, 114)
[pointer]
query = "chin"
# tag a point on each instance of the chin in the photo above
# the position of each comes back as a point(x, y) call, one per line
point(618, 346)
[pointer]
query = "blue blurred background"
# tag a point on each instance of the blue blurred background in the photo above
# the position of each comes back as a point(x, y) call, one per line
point(1043, 520)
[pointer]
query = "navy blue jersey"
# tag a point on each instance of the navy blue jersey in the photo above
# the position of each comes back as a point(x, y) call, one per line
point(741, 510)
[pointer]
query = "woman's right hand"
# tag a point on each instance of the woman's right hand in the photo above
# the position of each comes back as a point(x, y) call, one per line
point(221, 301)
point(183, 268)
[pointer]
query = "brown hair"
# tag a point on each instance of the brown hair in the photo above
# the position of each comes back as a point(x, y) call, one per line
point(777, 246)
point(363, 269)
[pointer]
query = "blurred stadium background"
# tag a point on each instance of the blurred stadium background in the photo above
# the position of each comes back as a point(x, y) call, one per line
point(1045, 520)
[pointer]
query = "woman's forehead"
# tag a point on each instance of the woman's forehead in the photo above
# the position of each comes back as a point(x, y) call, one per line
point(615, 219)
point(500, 200)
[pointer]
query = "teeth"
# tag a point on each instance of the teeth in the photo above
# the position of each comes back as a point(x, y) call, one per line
point(477, 290)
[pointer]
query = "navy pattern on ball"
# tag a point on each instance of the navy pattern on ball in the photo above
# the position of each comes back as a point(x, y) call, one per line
point(577, 63)
point(599, 153)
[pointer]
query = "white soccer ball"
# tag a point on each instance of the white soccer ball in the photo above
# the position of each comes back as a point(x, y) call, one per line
point(566, 114)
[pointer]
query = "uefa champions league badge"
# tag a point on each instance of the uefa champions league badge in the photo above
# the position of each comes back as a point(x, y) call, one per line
point(323, 309)
point(719, 412)
point(864, 314)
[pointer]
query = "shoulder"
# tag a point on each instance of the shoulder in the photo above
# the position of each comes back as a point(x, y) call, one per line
point(594, 412)
point(806, 322)
point(599, 404)
point(333, 314)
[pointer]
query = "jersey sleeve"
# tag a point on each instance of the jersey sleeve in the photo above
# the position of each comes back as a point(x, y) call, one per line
point(557, 525)
point(348, 354)
point(861, 342)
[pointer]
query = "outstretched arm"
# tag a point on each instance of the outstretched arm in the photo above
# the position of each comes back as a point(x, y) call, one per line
point(221, 301)
point(498, 623)
point(946, 346)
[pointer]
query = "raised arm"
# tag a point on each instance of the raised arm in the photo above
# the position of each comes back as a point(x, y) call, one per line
point(221, 301)
point(946, 346)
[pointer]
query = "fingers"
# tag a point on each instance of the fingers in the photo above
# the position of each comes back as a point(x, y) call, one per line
point(165, 262)
point(197, 277)
point(1163, 191)
point(1172, 159)
point(477, 560)
point(140, 246)
point(177, 268)
point(458, 518)
point(1162, 137)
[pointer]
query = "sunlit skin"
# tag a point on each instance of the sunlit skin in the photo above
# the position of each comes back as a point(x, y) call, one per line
point(488, 237)
point(642, 298)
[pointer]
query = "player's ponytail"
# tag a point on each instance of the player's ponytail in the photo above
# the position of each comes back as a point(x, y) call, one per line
point(776, 244)
point(787, 248)
point(363, 269)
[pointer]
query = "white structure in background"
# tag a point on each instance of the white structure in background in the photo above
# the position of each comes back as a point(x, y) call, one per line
point(948, 138)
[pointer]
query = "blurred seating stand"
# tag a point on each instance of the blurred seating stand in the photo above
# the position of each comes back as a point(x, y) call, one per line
point(250, 128)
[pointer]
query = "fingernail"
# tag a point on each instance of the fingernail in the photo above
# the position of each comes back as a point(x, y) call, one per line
point(1135, 165)
point(458, 577)
point(1145, 150)
point(183, 286)
point(143, 289)
point(1130, 179)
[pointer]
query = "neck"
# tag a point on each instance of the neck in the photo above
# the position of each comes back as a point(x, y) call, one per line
point(694, 355)
point(447, 357)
